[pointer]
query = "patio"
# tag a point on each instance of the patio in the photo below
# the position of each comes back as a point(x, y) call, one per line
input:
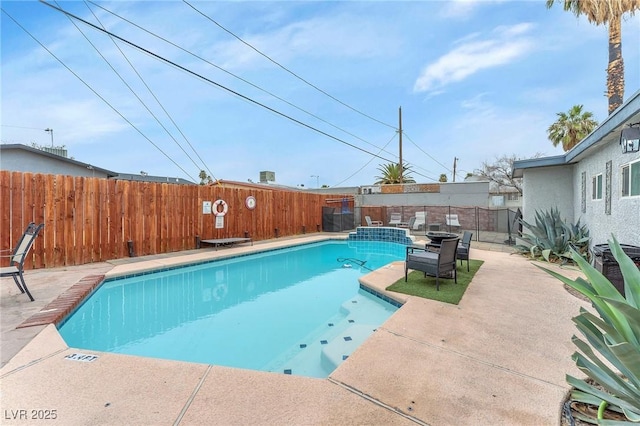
point(499, 357)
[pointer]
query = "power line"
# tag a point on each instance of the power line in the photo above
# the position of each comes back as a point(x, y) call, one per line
point(236, 76)
point(413, 170)
point(367, 163)
point(150, 91)
point(96, 93)
point(286, 69)
point(131, 89)
point(426, 153)
point(188, 71)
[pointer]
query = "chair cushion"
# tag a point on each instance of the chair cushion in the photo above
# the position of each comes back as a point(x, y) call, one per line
point(8, 270)
point(424, 256)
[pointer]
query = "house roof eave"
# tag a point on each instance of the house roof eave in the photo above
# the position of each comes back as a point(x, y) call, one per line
point(19, 146)
point(520, 165)
point(609, 130)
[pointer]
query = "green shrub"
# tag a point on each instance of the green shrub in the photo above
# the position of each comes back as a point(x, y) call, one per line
point(614, 335)
point(552, 239)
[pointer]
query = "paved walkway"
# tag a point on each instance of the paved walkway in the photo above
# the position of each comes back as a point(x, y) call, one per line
point(499, 357)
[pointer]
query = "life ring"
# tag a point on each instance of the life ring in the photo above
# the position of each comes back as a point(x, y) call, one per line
point(250, 202)
point(225, 208)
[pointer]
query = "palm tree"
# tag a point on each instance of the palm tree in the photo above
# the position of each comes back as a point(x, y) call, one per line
point(390, 173)
point(571, 128)
point(607, 12)
point(205, 179)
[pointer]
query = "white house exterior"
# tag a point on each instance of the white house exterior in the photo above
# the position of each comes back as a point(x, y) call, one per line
point(594, 182)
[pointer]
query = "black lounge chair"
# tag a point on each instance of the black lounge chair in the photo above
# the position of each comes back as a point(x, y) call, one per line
point(464, 248)
point(435, 264)
point(19, 255)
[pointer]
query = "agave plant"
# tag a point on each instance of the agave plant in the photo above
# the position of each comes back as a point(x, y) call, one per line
point(614, 335)
point(551, 238)
point(580, 238)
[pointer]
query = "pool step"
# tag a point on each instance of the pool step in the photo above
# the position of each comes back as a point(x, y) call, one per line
point(339, 348)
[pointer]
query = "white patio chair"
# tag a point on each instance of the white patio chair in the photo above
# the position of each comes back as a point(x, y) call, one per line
point(452, 221)
point(396, 219)
point(372, 222)
point(420, 222)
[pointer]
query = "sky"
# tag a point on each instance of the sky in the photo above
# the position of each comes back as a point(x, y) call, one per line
point(311, 91)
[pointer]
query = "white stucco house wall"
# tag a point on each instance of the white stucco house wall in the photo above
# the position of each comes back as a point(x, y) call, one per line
point(594, 182)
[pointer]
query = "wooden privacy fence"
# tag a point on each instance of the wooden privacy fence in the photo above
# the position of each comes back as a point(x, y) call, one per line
point(93, 220)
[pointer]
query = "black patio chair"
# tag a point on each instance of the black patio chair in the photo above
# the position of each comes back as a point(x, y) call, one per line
point(18, 257)
point(435, 264)
point(464, 247)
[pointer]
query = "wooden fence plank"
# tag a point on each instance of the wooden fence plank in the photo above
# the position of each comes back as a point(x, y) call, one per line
point(87, 221)
point(58, 219)
point(78, 220)
point(69, 230)
point(27, 197)
point(18, 220)
point(148, 220)
point(110, 209)
point(16, 226)
point(138, 222)
point(39, 217)
point(162, 218)
point(5, 215)
point(112, 221)
point(125, 221)
point(96, 219)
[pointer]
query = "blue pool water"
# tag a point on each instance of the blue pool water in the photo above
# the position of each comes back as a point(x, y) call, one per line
point(297, 311)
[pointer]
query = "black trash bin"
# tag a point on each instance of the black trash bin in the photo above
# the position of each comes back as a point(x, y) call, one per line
point(606, 264)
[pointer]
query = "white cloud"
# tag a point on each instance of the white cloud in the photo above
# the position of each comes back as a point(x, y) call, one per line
point(335, 37)
point(463, 9)
point(459, 8)
point(470, 57)
point(485, 130)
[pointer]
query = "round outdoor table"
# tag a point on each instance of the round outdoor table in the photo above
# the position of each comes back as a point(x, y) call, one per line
point(437, 237)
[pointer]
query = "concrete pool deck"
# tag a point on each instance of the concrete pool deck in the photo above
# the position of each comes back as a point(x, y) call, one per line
point(499, 357)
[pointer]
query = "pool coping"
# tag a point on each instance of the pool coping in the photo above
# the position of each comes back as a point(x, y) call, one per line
point(56, 311)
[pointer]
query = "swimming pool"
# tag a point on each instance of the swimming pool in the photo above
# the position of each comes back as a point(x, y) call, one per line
point(297, 311)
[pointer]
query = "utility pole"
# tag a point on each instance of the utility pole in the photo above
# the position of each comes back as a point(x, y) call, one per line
point(455, 163)
point(400, 142)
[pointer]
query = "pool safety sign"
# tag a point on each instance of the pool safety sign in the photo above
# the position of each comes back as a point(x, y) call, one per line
point(206, 207)
point(219, 222)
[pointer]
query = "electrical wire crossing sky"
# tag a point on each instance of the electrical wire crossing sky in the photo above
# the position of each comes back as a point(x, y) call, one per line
point(310, 91)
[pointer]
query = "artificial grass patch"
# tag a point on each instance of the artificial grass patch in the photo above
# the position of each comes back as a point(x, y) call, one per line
point(450, 292)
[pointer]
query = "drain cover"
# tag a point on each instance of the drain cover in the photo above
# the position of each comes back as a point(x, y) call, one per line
point(81, 357)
